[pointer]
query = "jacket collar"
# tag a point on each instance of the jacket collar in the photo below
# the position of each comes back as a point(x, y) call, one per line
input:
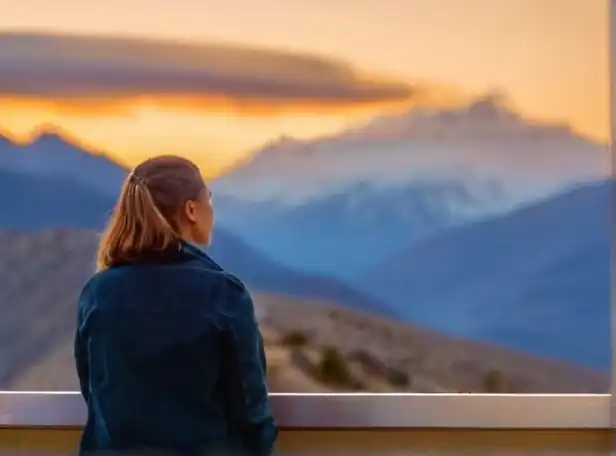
point(193, 252)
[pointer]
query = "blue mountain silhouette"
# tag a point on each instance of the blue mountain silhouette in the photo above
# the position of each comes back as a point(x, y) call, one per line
point(37, 201)
point(537, 279)
point(342, 233)
point(50, 156)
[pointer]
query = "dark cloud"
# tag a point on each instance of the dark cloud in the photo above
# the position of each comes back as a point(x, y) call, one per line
point(80, 67)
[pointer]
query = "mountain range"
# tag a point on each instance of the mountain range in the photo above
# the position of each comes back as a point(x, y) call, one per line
point(50, 156)
point(482, 141)
point(537, 278)
point(62, 198)
point(347, 231)
point(504, 242)
point(336, 205)
point(41, 274)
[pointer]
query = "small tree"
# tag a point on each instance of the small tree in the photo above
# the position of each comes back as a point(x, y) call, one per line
point(333, 368)
point(295, 339)
point(493, 381)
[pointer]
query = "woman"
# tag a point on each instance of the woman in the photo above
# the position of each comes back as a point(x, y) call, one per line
point(168, 350)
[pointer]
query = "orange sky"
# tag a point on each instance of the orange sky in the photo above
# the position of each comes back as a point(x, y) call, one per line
point(549, 56)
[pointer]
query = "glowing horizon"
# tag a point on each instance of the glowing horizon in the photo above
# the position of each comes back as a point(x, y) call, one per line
point(187, 93)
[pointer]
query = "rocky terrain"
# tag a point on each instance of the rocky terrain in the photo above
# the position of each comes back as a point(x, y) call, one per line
point(312, 346)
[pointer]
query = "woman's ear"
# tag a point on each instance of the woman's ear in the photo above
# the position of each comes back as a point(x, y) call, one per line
point(190, 211)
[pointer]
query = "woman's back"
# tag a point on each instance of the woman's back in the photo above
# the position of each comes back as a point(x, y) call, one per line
point(160, 351)
point(170, 357)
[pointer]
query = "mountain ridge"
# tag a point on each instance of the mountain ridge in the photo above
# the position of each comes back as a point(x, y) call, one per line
point(528, 262)
point(532, 277)
point(62, 202)
point(42, 274)
point(488, 108)
point(487, 136)
point(50, 154)
point(335, 204)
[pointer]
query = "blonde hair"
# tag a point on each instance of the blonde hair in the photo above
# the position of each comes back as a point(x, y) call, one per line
point(144, 219)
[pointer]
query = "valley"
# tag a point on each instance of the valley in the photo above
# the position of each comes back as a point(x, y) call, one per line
point(453, 225)
point(312, 345)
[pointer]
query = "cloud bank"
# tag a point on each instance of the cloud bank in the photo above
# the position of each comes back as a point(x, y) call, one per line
point(89, 69)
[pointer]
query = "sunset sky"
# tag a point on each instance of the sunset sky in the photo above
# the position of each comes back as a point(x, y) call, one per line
point(324, 65)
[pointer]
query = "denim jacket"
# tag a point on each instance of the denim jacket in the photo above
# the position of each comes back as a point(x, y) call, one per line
point(170, 358)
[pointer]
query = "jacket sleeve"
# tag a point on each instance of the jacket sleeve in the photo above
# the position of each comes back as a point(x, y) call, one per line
point(81, 353)
point(245, 370)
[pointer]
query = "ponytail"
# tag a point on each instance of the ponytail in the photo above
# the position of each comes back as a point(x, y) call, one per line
point(136, 228)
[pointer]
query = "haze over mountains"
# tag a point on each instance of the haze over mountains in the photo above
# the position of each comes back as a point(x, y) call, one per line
point(483, 141)
point(50, 156)
point(39, 202)
point(539, 273)
point(319, 204)
point(472, 220)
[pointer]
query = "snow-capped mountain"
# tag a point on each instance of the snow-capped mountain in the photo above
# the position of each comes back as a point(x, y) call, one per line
point(482, 141)
point(336, 205)
point(352, 229)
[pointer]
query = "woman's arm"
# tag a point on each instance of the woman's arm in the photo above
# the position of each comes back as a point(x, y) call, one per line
point(80, 351)
point(245, 371)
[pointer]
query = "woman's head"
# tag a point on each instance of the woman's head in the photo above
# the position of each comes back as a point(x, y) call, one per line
point(163, 200)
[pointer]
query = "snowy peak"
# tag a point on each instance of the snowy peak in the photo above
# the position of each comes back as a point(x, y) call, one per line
point(281, 142)
point(483, 140)
point(485, 118)
point(481, 117)
point(492, 107)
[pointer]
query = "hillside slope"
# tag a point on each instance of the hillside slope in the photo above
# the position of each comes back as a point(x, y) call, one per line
point(41, 203)
point(313, 346)
point(536, 279)
point(35, 202)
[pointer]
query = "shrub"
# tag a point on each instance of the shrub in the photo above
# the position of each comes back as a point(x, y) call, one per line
point(493, 381)
point(272, 370)
point(333, 368)
point(295, 339)
point(397, 377)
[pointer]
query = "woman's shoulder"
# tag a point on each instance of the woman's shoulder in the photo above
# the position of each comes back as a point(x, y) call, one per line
point(227, 289)
point(100, 280)
point(191, 277)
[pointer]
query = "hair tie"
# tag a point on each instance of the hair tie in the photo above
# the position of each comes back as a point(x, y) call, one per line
point(135, 178)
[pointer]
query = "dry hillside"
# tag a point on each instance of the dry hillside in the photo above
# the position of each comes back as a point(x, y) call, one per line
point(312, 346)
